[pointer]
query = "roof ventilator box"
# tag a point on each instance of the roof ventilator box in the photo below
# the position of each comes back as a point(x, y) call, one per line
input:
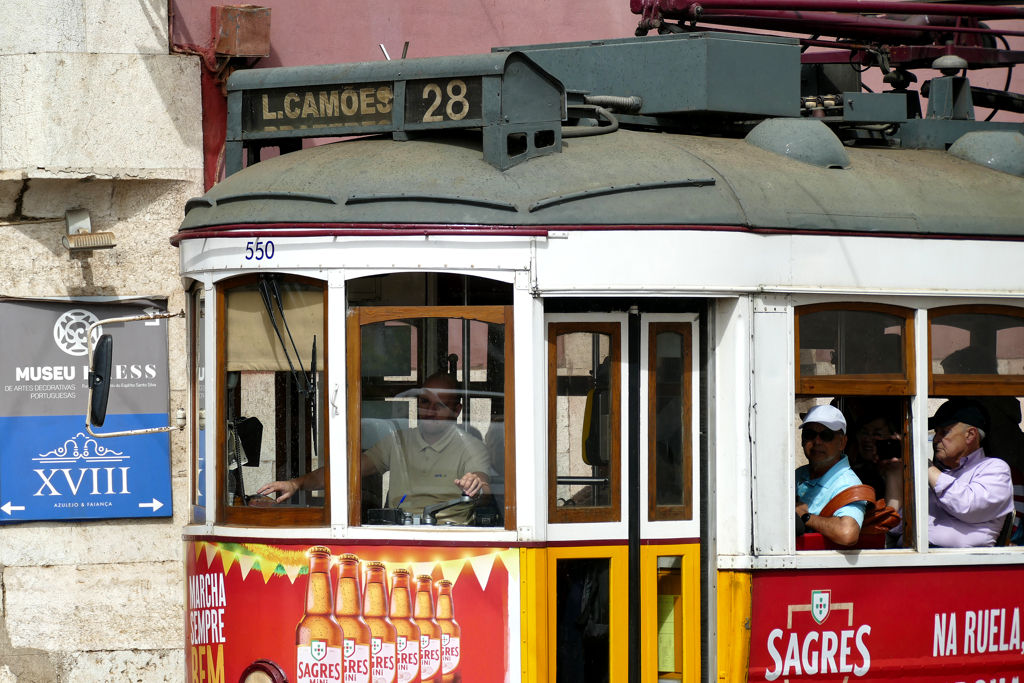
point(687, 73)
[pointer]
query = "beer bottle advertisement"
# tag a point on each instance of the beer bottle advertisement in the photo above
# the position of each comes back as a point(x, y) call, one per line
point(383, 636)
point(430, 632)
point(349, 610)
point(407, 647)
point(318, 637)
point(451, 634)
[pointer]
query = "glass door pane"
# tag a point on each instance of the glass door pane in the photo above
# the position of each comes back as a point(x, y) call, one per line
point(582, 605)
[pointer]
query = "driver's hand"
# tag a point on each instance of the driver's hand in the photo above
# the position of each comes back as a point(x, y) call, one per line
point(471, 484)
point(283, 489)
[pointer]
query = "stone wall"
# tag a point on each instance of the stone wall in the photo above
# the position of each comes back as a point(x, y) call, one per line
point(96, 114)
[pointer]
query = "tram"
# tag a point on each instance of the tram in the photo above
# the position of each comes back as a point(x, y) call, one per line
point(607, 279)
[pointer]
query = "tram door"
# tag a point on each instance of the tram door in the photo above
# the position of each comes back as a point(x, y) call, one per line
point(622, 563)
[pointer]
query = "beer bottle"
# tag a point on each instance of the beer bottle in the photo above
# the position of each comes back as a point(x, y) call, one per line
point(349, 609)
point(430, 632)
point(383, 635)
point(318, 637)
point(407, 647)
point(451, 634)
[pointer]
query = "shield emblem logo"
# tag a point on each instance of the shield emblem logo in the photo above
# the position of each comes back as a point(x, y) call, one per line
point(401, 643)
point(350, 647)
point(445, 638)
point(318, 648)
point(821, 603)
point(375, 645)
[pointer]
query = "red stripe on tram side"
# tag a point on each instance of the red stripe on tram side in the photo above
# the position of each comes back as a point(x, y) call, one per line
point(399, 229)
point(669, 541)
point(359, 541)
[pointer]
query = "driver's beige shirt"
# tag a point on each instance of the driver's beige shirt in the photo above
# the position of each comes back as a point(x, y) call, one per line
point(427, 472)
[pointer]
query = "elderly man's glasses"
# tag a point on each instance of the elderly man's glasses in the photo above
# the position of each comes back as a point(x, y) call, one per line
point(809, 434)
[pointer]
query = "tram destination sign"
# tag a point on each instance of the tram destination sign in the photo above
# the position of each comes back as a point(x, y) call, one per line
point(363, 104)
point(277, 109)
point(51, 468)
point(503, 94)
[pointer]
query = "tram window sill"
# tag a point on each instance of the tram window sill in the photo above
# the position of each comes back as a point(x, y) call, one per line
point(835, 559)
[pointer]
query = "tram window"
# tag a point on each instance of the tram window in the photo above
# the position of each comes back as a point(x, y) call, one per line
point(427, 289)
point(876, 441)
point(197, 353)
point(432, 386)
point(977, 363)
point(976, 350)
point(670, 618)
point(854, 348)
point(274, 368)
point(583, 627)
point(584, 422)
point(670, 406)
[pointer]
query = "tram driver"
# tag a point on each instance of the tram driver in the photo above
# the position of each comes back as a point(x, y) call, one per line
point(969, 493)
point(828, 472)
point(430, 463)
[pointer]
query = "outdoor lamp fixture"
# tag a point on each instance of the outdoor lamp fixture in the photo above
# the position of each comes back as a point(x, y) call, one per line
point(80, 236)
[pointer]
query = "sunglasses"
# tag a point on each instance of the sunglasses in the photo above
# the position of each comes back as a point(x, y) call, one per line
point(826, 435)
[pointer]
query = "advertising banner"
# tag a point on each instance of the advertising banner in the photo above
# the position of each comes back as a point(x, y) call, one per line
point(347, 614)
point(942, 624)
point(50, 467)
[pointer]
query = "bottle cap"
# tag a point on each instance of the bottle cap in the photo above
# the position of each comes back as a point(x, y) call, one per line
point(348, 557)
point(444, 582)
point(424, 577)
point(375, 565)
point(400, 570)
point(320, 549)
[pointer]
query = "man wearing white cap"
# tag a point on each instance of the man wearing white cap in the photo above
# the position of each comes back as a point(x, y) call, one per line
point(823, 435)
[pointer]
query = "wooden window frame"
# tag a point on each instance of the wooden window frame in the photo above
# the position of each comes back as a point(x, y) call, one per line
point(276, 515)
point(612, 513)
point(669, 512)
point(891, 384)
point(973, 385)
point(364, 315)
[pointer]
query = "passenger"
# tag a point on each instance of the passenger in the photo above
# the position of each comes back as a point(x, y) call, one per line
point(876, 440)
point(969, 493)
point(1004, 439)
point(823, 434)
point(431, 463)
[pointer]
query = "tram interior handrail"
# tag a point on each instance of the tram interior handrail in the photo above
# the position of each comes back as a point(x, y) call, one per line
point(582, 481)
point(424, 197)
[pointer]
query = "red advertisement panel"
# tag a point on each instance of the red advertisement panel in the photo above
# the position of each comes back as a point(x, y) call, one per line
point(948, 625)
point(268, 613)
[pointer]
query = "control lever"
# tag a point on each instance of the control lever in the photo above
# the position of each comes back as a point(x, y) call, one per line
point(430, 511)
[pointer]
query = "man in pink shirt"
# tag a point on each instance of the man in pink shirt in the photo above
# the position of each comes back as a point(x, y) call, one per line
point(969, 493)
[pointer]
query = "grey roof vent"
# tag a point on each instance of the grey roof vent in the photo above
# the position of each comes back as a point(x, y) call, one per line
point(806, 140)
point(1002, 150)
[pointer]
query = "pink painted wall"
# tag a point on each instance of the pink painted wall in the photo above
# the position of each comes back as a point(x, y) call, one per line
point(332, 31)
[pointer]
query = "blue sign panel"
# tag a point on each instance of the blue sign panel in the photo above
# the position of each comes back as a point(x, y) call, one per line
point(51, 468)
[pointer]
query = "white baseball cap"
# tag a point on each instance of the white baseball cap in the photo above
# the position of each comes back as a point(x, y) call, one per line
point(826, 416)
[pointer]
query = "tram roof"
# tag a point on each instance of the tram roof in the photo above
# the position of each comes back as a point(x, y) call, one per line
point(628, 177)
